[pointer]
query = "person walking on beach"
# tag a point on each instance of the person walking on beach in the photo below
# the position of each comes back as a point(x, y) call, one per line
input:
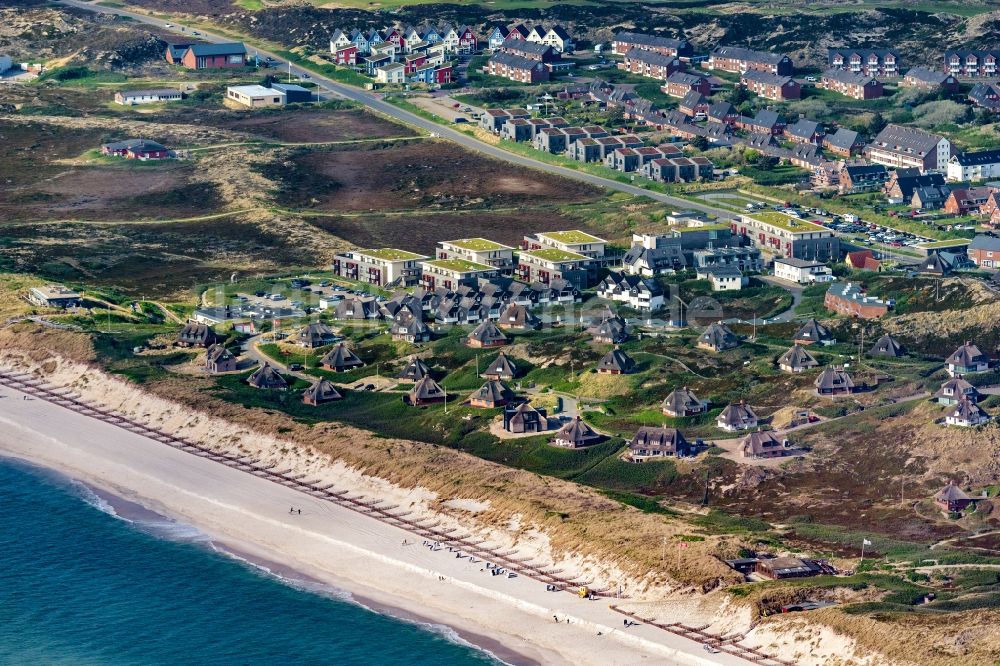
point(300, 512)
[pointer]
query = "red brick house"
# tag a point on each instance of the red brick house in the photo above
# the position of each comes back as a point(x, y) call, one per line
point(737, 59)
point(952, 498)
point(849, 299)
point(771, 86)
point(962, 201)
point(680, 84)
point(215, 56)
point(516, 68)
point(650, 63)
point(851, 84)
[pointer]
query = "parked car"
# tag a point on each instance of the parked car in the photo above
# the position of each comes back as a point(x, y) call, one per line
point(295, 367)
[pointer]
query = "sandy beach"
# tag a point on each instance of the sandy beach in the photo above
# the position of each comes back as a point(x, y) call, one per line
point(511, 617)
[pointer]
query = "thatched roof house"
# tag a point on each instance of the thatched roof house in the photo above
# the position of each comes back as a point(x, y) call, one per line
point(610, 330)
point(407, 328)
point(501, 368)
point(966, 360)
point(266, 377)
point(575, 434)
point(834, 381)
point(718, 337)
point(737, 416)
point(616, 362)
point(341, 359)
point(315, 335)
point(683, 402)
point(762, 444)
point(195, 334)
point(518, 317)
point(797, 359)
point(492, 394)
point(812, 332)
point(887, 346)
point(219, 359)
point(524, 418)
point(320, 392)
point(425, 392)
point(650, 442)
point(966, 414)
point(952, 498)
point(486, 335)
point(415, 370)
point(953, 390)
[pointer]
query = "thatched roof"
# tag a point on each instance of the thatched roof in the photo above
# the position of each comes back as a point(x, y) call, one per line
point(576, 433)
point(967, 355)
point(737, 415)
point(501, 367)
point(718, 336)
point(812, 331)
point(760, 442)
point(649, 440)
point(616, 361)
point(415, 370)
point(315, 334)
point(487, 334)
point(341, 358)
point(682, 400)
point(320, 392)
point(951, 493)
point(196, 334)
point(887, 346)
point(218, 353)
point(797, 357)
point(426, 390)
point(834, 378)
point(494, 392)
point(266, 377)
point(518, 316)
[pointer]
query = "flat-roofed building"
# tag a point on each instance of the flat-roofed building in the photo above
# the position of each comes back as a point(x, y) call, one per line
point(548, 263)
point(480, 251)
point(381, 267)
point(571, 241)
point(785, 236)
point(255, 96)
point(54, 296)
point(453, 273)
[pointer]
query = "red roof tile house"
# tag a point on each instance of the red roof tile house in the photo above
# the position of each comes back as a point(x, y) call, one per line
point(863, 260)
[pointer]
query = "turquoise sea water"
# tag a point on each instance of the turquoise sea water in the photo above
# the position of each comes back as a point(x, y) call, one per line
point(80, 586)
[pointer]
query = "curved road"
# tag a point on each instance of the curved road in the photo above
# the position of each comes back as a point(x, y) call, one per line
point(374, 102)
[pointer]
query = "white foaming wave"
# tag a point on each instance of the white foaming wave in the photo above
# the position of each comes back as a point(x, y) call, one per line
point(313, 587)
point(452, 636)
point(339, 594)
point(158, 526)
point(88, 495)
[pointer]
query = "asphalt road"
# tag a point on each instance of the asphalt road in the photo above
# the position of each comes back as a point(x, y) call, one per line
point(376, 103)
